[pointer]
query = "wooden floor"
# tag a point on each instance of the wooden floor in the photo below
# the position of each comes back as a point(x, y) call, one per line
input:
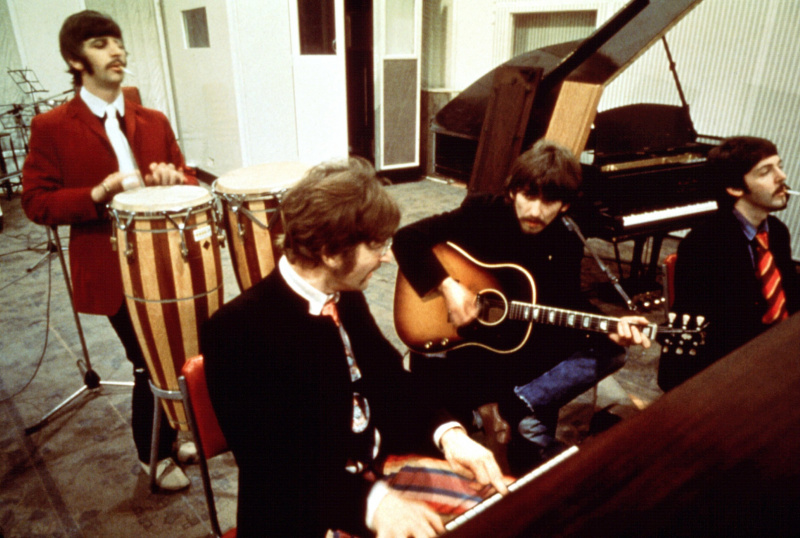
point(79, 476)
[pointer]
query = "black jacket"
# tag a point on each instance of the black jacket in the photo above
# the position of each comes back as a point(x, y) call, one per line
point(280, 385)
point(714, 277)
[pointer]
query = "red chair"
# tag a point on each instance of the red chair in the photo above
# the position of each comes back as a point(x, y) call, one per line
point(208, 436)
point(669, 280)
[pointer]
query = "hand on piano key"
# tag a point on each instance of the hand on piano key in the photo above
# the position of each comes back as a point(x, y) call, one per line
point(465, 454)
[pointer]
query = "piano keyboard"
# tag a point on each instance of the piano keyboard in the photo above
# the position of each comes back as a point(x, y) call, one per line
point(486, 503)
point(659, 215)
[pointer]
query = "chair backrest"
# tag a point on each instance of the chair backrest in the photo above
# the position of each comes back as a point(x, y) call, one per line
point(131, 93)
point(669, 279)
point(209, 433)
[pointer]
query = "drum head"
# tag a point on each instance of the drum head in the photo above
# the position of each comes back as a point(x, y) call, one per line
point(161, 198)
point(261, 178)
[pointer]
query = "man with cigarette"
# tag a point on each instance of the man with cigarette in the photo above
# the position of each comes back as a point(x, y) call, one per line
point(736, 269)
point(81, 154)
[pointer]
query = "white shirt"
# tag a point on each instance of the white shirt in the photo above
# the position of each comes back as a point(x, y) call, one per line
point(98, 106)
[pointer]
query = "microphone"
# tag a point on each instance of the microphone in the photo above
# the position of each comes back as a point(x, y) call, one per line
point(573, 227)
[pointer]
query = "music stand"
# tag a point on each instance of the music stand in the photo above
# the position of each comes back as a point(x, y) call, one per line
point(91, 381)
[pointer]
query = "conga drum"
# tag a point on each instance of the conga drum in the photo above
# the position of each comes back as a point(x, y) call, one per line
point(169, 255)
point(251, 199)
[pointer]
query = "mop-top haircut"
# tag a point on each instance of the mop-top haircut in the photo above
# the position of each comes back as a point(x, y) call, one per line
point(76, 29)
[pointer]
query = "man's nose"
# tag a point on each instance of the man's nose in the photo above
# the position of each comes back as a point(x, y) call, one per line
point(535, 208)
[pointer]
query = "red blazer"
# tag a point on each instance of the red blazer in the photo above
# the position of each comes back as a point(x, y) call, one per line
point(69, 154)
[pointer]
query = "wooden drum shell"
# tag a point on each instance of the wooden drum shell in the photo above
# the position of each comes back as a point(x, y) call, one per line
point(169, 291)
point(250, 198)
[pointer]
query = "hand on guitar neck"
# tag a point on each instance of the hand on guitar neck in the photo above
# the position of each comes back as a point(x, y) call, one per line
point(470, 308)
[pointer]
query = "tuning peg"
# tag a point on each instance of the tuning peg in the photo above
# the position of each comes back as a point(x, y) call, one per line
point(686, 318)
point(692, 352)
point(671, 316)
point(700, 320)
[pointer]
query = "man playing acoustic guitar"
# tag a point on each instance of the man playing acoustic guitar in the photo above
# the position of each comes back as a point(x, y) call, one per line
point(531, 381)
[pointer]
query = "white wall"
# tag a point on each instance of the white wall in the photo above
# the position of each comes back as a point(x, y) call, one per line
point(36, 24)
point(263, 68)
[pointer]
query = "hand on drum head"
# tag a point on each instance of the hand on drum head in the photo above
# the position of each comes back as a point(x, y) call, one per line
point(114, 183)
point(164, 174)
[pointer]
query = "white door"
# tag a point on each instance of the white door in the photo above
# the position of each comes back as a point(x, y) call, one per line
point(398, 41)
point(199, 47)
point(318, 50)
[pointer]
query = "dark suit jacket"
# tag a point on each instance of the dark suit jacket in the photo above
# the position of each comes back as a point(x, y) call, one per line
point(280, 385)
point(714, 277)
point(488, 229)
point(69, 154)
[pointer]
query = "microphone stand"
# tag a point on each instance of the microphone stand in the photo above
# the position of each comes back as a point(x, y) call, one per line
point(572, 226)
point(91, 381)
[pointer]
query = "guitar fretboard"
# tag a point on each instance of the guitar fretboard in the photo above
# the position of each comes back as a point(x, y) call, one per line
point(568, 318)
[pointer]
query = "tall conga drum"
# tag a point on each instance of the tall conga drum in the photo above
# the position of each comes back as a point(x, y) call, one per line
point(251, 199)
point(169, 254)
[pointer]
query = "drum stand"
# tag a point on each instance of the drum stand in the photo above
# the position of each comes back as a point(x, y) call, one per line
point(91, 381)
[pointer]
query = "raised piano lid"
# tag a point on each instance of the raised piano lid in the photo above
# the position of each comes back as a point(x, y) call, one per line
point(597, 59)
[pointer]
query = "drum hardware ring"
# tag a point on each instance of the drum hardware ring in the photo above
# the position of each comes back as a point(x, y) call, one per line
point(124, 227)
point(216, 213)
point(181, 227)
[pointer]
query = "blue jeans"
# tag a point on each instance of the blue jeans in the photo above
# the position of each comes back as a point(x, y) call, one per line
point(546, 394)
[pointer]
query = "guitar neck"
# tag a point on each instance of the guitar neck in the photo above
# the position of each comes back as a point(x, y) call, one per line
point(568, 318)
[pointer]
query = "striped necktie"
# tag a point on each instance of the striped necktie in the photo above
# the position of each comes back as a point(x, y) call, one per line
point(770, 281)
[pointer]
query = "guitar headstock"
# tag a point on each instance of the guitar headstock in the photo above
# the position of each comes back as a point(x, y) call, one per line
point(682, 334)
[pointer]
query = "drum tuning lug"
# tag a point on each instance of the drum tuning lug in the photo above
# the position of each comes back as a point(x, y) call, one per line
point(428, 345)
point(444, 341)
point(113, 243)
point(129, 253)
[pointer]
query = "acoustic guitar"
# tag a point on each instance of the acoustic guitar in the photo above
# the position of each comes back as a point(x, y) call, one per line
point(505, 323)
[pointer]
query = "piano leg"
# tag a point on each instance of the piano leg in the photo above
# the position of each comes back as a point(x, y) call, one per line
point(640, 271)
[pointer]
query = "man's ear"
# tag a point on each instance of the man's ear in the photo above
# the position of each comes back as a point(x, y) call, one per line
point(332, 262)
point(736, 193)
point(76, 65)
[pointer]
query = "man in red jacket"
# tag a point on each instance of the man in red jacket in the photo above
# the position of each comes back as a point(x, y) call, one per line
point(76, 165)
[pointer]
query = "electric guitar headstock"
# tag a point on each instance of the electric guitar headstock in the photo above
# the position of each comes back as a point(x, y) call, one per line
point(682, 334)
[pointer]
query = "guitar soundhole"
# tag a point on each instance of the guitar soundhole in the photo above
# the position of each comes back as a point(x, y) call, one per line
point(493, 307)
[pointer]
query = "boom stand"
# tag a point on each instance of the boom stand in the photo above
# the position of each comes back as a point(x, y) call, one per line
point(91, 381)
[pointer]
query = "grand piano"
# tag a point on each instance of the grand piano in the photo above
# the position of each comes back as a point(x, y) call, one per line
point(644, 164)
point(715, 456)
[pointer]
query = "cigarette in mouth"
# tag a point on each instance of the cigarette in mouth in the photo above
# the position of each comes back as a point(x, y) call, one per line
point(128, 71)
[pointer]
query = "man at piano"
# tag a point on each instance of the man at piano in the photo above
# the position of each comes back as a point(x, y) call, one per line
point(556, 364)
point(310, 395)
point(718, 273)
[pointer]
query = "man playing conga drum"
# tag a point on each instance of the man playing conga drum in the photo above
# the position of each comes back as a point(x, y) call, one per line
point(80, 157)
point(310, 395)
